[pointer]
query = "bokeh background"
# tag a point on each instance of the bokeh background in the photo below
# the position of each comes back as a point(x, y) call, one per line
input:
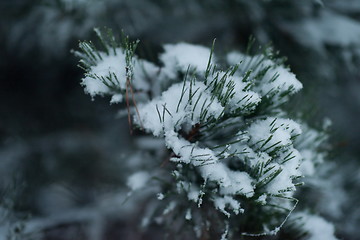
point(62, 155)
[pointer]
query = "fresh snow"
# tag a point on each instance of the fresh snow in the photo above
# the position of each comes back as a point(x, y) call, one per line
point(160, 196)
point(169, 113)
point(188, 214)
point(262, 199)
point(274, 131)
point(114, 65)
point(317, 227)
point(109, 65)
point(182, 55)
point(222, 202)
point(271, 133)
point(284, 81)
point(327, 28)
point(138, 180)
point(277, 79)
point(241, 96)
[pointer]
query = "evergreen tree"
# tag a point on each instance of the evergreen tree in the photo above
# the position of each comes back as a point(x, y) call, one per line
point(233, 158)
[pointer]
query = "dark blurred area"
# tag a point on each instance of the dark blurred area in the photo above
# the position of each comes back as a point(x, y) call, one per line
point(62, 155)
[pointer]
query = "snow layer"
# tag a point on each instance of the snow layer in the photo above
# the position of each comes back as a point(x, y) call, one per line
point(327, 28)
point(113, 65)
point(274, 131)
point(317, 227)
point(241, 97)
point(275, 134)
point(308, 144)
point(222, 202)
point(138, 180)
point(179, 56)
point(284, 81)
point(182, 103)
point(276, 80)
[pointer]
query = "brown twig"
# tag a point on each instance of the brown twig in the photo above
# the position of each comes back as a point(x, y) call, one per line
point(194, 131)
point(129, 86)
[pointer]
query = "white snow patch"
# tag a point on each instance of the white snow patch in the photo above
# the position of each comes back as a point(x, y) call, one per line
point(221, 203)
point(278, 79)
point(326, 28)
point(188, 214)
point(273, 132)
point(179, 56)
point(242, 97)
point(138, 180)
point(262, 199)
point(284, 81)
point(241, 183)
point(114, 66)
point(160, 196)
point(110, 65)
point(116, 98)
point(175, 108)
point(317, 227)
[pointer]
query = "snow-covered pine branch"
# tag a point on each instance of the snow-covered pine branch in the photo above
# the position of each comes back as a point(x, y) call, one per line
point(234, 160)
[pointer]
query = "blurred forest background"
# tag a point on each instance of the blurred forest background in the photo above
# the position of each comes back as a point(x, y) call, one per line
point(62, 155)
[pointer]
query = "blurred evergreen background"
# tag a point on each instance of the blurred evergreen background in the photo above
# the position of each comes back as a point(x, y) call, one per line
point(60, 151)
